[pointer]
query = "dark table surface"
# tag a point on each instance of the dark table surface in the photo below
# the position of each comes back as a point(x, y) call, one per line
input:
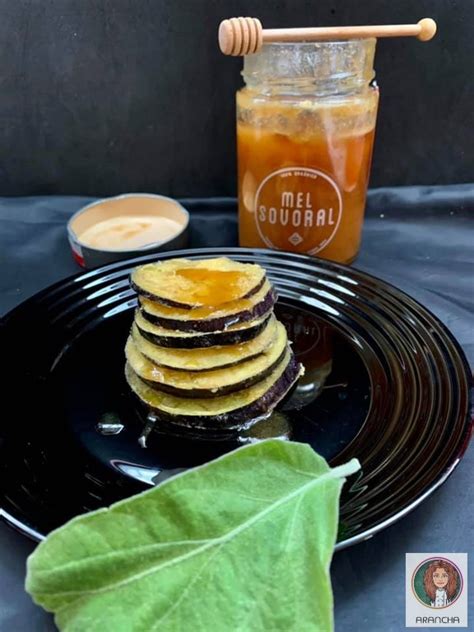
point(418, 238)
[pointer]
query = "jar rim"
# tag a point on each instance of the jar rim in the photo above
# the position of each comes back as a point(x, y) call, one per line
point(328, 66)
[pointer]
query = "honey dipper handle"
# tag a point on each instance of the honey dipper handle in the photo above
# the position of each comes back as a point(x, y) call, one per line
point(243, 36)
point(424, 30)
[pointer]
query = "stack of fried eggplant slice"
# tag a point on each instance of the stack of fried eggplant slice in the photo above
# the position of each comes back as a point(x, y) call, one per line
point(206, 352)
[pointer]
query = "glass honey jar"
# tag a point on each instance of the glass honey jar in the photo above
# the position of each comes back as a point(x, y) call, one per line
point(305, 131)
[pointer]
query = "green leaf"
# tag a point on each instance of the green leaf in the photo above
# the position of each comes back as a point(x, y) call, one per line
point(242, 543)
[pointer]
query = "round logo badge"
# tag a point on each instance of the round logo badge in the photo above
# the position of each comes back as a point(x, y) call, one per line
point(437, 582)
point(298, 208)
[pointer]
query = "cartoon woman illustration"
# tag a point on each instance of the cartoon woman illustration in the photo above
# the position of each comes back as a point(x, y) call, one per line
point(440, 582)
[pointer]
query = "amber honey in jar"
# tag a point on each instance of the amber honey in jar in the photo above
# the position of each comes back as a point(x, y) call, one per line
point(305, 131)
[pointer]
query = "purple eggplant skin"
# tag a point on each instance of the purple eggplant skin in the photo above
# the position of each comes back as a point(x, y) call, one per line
point(215, 324)
point(239, 418)
point(169, 303)
point(197, 393)
point(219, 339)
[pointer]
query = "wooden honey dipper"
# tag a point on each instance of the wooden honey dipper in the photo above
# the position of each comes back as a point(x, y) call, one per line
point(243, 36)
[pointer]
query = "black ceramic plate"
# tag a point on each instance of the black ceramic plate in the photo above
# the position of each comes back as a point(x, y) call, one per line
point(385, 382)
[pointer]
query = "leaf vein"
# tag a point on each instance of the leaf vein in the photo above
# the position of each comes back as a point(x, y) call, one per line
point(334, 473)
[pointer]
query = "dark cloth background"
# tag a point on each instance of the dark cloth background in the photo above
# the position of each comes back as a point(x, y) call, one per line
point(419, 238)
point(101, 97)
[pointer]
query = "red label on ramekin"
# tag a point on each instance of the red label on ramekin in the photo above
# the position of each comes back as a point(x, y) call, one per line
point(76, 251)
point(78, 259)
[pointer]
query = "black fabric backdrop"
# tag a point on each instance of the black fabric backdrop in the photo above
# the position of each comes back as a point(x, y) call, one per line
point(101, 97)
point(418, 238)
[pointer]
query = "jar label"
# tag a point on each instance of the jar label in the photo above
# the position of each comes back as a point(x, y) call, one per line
point(298, 208)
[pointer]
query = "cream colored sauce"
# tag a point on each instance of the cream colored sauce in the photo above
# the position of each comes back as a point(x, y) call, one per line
point(129, 232)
